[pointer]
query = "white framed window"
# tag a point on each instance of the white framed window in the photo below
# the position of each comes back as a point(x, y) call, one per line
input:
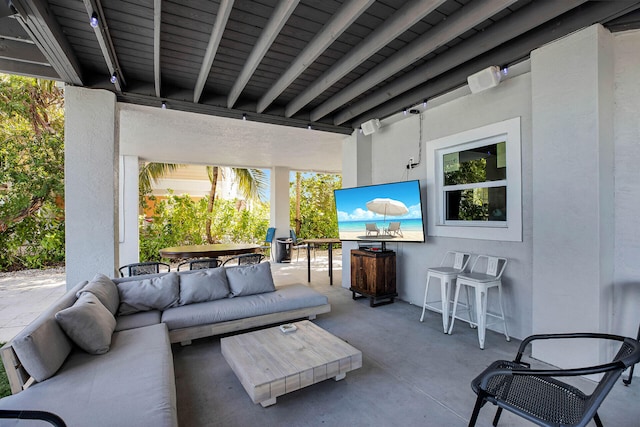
point(476, 178)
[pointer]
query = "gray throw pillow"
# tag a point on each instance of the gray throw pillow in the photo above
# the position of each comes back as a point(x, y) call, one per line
point(106, 291)
point(88, 323)
point(250, 279)
point(155, 293)
point(203, 285)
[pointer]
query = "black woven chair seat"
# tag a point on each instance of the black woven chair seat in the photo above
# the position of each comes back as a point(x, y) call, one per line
point(540, 395)
point(543, 398)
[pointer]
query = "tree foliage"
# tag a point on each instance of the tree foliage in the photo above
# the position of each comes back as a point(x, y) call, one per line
point(318, 216)
point(181, 220)
point(31, 173)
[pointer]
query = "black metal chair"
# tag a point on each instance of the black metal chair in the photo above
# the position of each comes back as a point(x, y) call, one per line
point(628, 380)
point(32, 415)
point(141, 268)
point(244, 259)
point(538, 396)
point(200, 263)
point(297, 246)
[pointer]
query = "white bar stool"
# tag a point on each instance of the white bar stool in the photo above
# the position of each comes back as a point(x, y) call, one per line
point(452, 264)
point(492, 269)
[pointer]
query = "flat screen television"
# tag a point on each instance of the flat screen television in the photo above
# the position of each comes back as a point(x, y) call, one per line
point(389, 212)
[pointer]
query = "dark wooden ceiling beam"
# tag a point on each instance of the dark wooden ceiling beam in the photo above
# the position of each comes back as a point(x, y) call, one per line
point(342, 19)
point(471, 15)
point(157, 22)
point(516, 50)
point(11, 29)
point(21, 51)
point(398, 23)
point(106, 44)
point(43, 29)
point(40, 71)
point(517, 23)
point(224, 9)
point(277, 20)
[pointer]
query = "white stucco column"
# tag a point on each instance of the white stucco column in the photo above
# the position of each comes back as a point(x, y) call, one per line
point(91, 184)
point(280, 201)
point(573, 192)
point(128, 211)
point(356, 170)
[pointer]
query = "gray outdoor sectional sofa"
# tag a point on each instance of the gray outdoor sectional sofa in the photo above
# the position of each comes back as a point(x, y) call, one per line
point(101, 355)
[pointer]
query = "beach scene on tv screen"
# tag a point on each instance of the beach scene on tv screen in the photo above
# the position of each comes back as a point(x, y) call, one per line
point(386, 212)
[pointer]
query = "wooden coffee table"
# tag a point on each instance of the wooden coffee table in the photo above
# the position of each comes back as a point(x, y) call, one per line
point(270, 363)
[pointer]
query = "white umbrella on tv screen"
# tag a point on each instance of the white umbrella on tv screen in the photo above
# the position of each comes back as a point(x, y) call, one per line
point(384, 206)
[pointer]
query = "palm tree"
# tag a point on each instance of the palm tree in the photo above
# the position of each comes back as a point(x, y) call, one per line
point(252, 184)
point(151, 173)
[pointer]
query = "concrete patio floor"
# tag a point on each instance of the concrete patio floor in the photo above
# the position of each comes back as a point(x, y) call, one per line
point(412, 373)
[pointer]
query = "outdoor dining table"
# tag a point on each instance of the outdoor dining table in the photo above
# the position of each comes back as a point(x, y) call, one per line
point(330, 241)
point(210, 251)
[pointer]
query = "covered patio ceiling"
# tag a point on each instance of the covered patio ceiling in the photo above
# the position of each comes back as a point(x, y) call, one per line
point(329, 64)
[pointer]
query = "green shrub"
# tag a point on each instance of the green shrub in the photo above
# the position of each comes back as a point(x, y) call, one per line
point(180, 220)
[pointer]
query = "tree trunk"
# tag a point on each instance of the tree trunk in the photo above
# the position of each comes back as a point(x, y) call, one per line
point(298, 220)
point(212, 197)
point(33, 207)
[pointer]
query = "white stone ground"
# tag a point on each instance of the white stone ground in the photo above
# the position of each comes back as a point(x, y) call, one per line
point(25, 294)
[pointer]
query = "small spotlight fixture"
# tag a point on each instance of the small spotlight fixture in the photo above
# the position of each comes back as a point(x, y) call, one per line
point(94, 20)
point(114, 78)
point(424, 104)
point(309, 126)
point(244, 116)
point(404, 111)
point(505, 70)
point(164, 105)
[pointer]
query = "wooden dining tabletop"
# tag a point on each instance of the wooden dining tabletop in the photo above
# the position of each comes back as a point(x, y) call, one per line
point(212, 250)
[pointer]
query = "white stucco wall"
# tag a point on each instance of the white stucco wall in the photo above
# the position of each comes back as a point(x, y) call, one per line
point(91, 184)
point(584, 155)
point(394, 144)
point(626, 291)
point(573, 190)
point(129, 241)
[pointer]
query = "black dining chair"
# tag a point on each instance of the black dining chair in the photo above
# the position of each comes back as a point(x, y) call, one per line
point(539, 396)
point(244, 259)
point(628, 380)
point(141, 268)
point(200, 264)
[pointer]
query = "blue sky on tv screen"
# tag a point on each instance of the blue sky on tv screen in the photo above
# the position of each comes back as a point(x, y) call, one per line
point(351, 203)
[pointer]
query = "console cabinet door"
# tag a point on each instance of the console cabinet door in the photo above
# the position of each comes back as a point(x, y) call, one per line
point(373, 273)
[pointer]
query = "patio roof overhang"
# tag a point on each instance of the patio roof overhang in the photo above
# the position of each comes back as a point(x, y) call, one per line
point(331, 65)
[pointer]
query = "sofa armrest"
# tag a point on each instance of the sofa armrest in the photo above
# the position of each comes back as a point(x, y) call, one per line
point(18, 377)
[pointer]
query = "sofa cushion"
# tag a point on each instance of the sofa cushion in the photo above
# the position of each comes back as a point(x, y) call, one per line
point(285, 298)
point(155, 293)
point(88, 323)
point(137, 320)
point(43, 346)
point(250, 279)
point(106, 291)
point(203, 285)
point(131, 385)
